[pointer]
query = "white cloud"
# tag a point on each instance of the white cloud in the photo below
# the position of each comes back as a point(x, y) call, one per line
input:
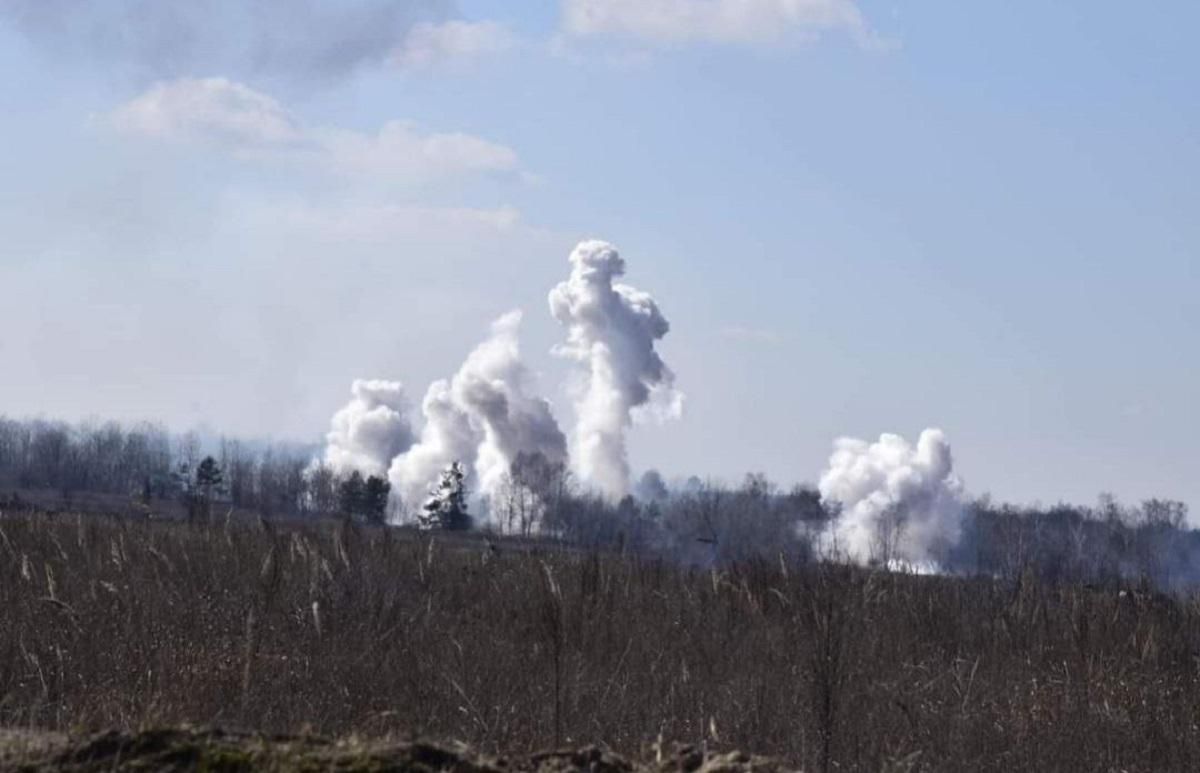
point(381, 224)
point(714, 21)
point(249, 124)
point(209, 110)
point(289, 40)
point(400, 147)
point(431, 45)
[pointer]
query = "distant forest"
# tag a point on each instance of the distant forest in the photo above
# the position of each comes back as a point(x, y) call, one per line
point(106, 467)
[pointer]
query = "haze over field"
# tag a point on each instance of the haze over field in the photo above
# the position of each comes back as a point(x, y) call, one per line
point(858, 218)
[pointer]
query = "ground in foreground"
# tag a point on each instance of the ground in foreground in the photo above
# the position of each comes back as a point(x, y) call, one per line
point(182, 749)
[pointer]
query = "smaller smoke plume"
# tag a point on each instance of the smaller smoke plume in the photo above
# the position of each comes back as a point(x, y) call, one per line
point(651, 487)
point(483, 417)
point(370, 430)
point(446, 437)
point(492, 386)
point(611, 329)
point(900, 505)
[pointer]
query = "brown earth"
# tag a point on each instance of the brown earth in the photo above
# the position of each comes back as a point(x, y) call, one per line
point(186, 749)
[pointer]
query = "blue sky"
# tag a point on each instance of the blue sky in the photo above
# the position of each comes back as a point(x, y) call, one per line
point(858, 218)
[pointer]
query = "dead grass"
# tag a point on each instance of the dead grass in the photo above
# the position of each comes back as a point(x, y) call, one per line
point(108, 623)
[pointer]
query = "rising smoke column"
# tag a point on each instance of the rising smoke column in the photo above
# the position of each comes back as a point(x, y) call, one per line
point(612, 329)
point(483, 417)
point(899, 504)
point(370, 430)
point(446, 437)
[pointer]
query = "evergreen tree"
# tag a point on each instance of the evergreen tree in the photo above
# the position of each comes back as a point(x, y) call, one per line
point(375, 499)
point(446, 507)
point(208, 482)
point(352, 494)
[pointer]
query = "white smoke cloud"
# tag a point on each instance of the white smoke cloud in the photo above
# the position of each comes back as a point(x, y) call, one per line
point(899, 504)
point(370, 430)
point(612, 329)
point(484, 416)
point(447, 436)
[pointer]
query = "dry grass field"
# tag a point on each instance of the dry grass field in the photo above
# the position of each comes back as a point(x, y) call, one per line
point(338, 630)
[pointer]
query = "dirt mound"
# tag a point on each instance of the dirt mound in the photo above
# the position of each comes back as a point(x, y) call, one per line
point(185, 749)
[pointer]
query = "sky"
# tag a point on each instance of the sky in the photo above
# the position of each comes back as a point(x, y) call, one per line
point(859, 217)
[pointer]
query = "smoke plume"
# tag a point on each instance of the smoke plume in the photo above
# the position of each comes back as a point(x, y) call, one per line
point(484, 416)
point(370, 430)
point(900, 505)
point(612, 330)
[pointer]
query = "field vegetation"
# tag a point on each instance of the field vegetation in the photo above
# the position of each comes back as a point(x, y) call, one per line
point(513, 646)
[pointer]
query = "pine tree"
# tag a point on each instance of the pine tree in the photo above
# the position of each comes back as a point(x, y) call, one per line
point(352, 494)
point(446, 507)
point(208, 482)
point(375, 499)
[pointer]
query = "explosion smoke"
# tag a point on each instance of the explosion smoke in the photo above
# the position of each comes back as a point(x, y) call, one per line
point(899, 505)
point(447, 436)
point(612, 329)
point(484, 416)
point(371, 430)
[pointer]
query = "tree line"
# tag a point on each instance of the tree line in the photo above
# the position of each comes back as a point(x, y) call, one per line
point(696, 522)
point(148, 463)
